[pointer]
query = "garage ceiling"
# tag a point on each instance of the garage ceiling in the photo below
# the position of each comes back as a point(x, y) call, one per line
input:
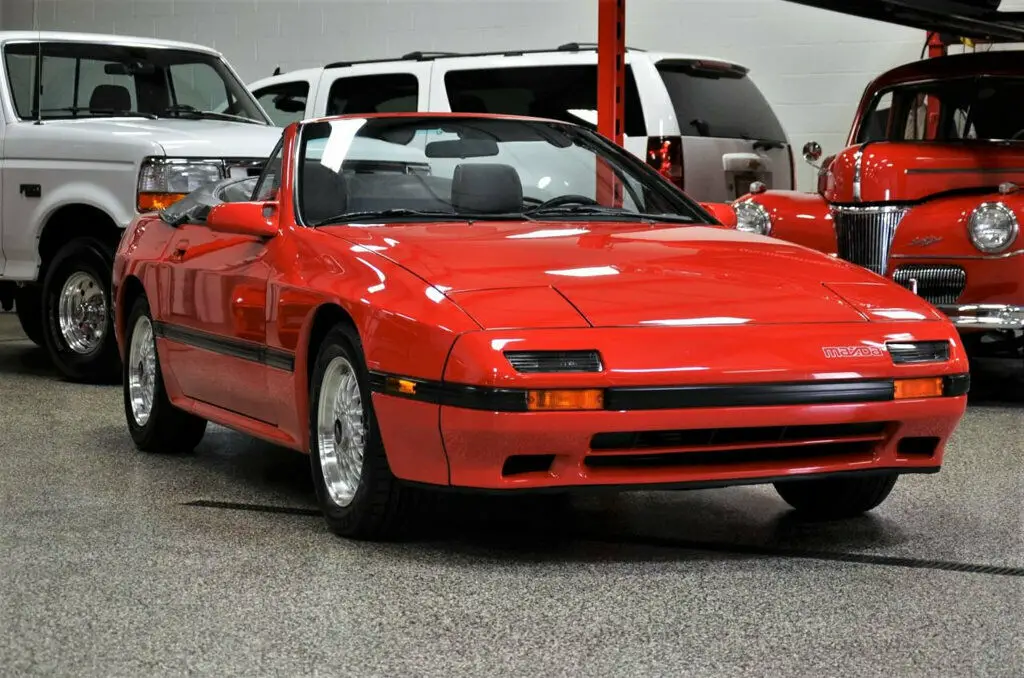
point(978, 20)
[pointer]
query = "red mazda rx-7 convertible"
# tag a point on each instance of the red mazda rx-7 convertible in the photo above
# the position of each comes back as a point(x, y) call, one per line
point(512, 304)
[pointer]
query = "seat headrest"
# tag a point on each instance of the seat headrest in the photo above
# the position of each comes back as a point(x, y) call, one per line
point(488, 188)
point(110, 98)
point(323, 192)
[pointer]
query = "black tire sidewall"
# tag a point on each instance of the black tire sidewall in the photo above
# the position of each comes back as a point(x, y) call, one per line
point(28, 305)
point(87, 255)
point(343, 342)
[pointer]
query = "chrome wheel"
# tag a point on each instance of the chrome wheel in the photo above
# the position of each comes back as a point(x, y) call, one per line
point(142, 371)
point(82, 313)
point(341, 431)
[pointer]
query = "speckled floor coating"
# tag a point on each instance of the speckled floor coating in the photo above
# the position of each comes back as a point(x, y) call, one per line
point(104, 571)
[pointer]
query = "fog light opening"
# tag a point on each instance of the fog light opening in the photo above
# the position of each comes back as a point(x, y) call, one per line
point(520, 464)
point(919, 447)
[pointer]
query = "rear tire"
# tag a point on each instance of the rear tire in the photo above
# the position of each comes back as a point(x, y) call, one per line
point(359, 496)
point(154, 423)
point(836, 498)
point(28, 304)
point(78, 325)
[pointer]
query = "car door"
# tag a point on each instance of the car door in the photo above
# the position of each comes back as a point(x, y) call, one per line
point(214, 310)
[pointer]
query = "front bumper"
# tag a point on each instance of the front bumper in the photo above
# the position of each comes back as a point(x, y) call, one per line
point(985, 316)
point(475, 448)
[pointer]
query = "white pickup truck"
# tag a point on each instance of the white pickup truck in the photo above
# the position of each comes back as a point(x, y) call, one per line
point(93, 130)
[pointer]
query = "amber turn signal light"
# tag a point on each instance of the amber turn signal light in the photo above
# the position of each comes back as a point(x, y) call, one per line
point(906, 389)
point(399, 385)
point(154, 202)
point(574, 399)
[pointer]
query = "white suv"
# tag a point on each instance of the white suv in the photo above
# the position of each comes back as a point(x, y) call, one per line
point(701, 121)
point(93, 130)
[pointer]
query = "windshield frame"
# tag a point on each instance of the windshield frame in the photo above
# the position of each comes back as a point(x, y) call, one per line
point(235, 86)
point(857, 137)
point(592, 141)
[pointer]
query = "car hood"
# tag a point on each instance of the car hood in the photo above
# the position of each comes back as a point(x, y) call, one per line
point(182, 137)
point(629, 274)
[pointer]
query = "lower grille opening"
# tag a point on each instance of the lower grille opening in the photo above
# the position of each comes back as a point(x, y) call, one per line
point(527, 463)
point(749, 455)
point(711, 437)
point(936, 284)
point(917, 447)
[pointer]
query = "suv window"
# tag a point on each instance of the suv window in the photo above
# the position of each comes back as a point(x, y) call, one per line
point(285, 102)
point(962, 109)
point(567, 93)
point(390, 93)
point(713, 99)
point(89, 80)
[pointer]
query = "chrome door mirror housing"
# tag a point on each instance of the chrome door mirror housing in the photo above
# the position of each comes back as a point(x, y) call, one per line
point(812, 152)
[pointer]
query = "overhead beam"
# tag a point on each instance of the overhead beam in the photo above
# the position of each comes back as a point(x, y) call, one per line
point(975, 20)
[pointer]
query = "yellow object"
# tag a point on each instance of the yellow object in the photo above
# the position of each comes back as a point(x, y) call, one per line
point(575, 399)
point(930, 387)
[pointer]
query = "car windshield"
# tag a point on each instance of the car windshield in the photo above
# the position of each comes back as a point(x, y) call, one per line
point(954, 110)
point(78, 80)
point(411, 167)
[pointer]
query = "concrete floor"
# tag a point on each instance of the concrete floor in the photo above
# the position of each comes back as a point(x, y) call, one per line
point(106, 570)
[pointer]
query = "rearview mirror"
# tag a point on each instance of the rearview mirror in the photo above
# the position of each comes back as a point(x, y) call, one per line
point(462, 148)
point(289, 105)
point(244, 218)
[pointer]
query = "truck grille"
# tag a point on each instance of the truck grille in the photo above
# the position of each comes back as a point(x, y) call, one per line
point(864, 234)
point(936, 284)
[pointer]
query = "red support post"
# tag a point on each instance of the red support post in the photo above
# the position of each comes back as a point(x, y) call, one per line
point(611, 83)
point(611, 68)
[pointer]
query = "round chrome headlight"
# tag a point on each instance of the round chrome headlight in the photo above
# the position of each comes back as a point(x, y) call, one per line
point(993, 227)
point(752, 217)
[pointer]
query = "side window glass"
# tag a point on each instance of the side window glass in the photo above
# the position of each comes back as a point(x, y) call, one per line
point(566, 93)
point(390, 93)
point(875, 126)
point(270, 179)
point(285, 103)
point(198, 85)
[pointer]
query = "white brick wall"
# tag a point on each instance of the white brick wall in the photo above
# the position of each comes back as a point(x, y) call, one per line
point(811, 64)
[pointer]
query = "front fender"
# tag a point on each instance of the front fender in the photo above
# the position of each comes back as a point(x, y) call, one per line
point(939, 227)
point(797, 217)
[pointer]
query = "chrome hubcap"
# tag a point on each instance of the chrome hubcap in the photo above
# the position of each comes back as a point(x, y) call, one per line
point(82, 313)
point(341, 431)
point(142, 371)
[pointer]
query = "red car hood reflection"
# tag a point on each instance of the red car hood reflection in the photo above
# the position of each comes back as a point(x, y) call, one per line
point(627, 274)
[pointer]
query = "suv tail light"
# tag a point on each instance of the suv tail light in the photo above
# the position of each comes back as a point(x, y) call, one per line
point(665, 154)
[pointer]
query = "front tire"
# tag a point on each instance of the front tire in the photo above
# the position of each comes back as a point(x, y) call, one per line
point(78, 325)
point(153, 422)
point(359, 496)
point(28, 304)
point(836, 498)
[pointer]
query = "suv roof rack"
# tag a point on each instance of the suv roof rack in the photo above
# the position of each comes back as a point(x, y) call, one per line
point(430, 56)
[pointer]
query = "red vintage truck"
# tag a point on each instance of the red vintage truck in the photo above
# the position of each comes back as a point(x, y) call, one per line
point(927, 192)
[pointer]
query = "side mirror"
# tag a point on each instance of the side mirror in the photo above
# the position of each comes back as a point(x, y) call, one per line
point(721, 211)
point(244, 218)
point(812, 152)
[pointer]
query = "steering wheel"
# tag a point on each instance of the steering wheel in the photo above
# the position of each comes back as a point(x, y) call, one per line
point(569, 199)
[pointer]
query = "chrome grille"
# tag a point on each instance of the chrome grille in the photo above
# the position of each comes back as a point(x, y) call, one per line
point(864, 235)
point(937, 284)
